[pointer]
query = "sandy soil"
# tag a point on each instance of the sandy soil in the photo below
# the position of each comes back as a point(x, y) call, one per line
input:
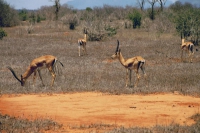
point(79, 111)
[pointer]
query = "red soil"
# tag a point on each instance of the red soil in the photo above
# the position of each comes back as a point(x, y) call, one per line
point(78, 111)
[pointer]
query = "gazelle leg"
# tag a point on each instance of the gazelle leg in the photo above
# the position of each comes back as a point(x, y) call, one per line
point(130, 74)
point(144, 73)
point(182, 55)
point(138, 78)
point(127, 77)
point(190, 56)
point(40, 76)
point(79, 50)
point(34, 77)
point(85, 49)
point(53, 75)
point(136, 68)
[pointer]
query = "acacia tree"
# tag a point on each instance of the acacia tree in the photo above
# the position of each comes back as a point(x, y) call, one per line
point(57, 7)
point(141, 4)
point(135, 17)
point(162, 3)
point(152, 2)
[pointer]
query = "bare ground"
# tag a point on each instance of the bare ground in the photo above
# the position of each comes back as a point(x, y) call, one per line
point(100, 112)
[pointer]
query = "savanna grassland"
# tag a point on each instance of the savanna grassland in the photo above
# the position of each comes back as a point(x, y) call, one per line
point(157, 40)
point(96, 72)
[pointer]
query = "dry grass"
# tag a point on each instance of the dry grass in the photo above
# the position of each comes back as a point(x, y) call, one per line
point(96, 72)
point(173, 128)
point(19, 125)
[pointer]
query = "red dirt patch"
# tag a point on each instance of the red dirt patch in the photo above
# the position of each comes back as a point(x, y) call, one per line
point(78, 111)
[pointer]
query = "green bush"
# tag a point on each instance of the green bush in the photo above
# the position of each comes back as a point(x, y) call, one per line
point(32, 18)
point(187, 20)
point(111, 31)
point(23, 15)
point(72, 23)
point(7, 15)
point(2, 33)
point(135, 17)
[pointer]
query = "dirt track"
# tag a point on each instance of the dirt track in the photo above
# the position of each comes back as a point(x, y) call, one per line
point(78, 109)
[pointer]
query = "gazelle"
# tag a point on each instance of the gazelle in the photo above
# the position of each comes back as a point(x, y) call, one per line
point(189, 48)
point(134, 63)
point(82, 42)
point(46, 61)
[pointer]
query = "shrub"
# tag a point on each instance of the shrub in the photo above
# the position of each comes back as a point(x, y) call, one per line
point(2, 33)
point(32, 18)
point(73, 22)
point(135, 17)
point(23, 15)
point(88, 9)
point(7, 15)
point(111, 31)
point(187, 20)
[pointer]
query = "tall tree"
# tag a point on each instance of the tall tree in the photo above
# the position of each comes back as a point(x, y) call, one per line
point(162, 3)
point(141, 4)
point(152, 2)
point(57, 7)
point(8, 16)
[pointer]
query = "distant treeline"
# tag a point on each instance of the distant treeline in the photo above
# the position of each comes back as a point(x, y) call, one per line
point(183, 18)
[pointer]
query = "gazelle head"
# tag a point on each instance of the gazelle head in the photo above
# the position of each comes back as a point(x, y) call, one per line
point(117, 52)
point(22, 81)
point(85, 31)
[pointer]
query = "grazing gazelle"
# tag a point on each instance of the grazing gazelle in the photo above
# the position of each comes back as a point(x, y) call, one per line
point(82, 42)
point(130, 64)
point(46, 61)
point(189, 48)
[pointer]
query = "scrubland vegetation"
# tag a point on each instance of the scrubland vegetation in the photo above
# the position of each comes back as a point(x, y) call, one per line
point(30, 34)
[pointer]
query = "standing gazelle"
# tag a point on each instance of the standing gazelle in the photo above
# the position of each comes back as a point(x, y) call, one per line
point(130, 64)
point(82, 42)
point(47, 61)
point(189, 48)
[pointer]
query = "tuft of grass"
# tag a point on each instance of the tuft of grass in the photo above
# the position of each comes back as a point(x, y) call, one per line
point(16, 125)
point(172, 128)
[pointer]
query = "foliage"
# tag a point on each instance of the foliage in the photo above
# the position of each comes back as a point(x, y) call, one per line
point(111, 31)
point(38, 18)
point(72, 23)
point(23, 15)
point(7, 15)
point(57, 8)
point(88, 9)
point(135, 17)
point(187, 20)
point(32, 18)
point(2, 33)
point(151, 13)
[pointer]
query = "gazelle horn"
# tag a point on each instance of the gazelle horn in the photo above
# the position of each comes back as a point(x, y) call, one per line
point(13, 72)
point(117, 46)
